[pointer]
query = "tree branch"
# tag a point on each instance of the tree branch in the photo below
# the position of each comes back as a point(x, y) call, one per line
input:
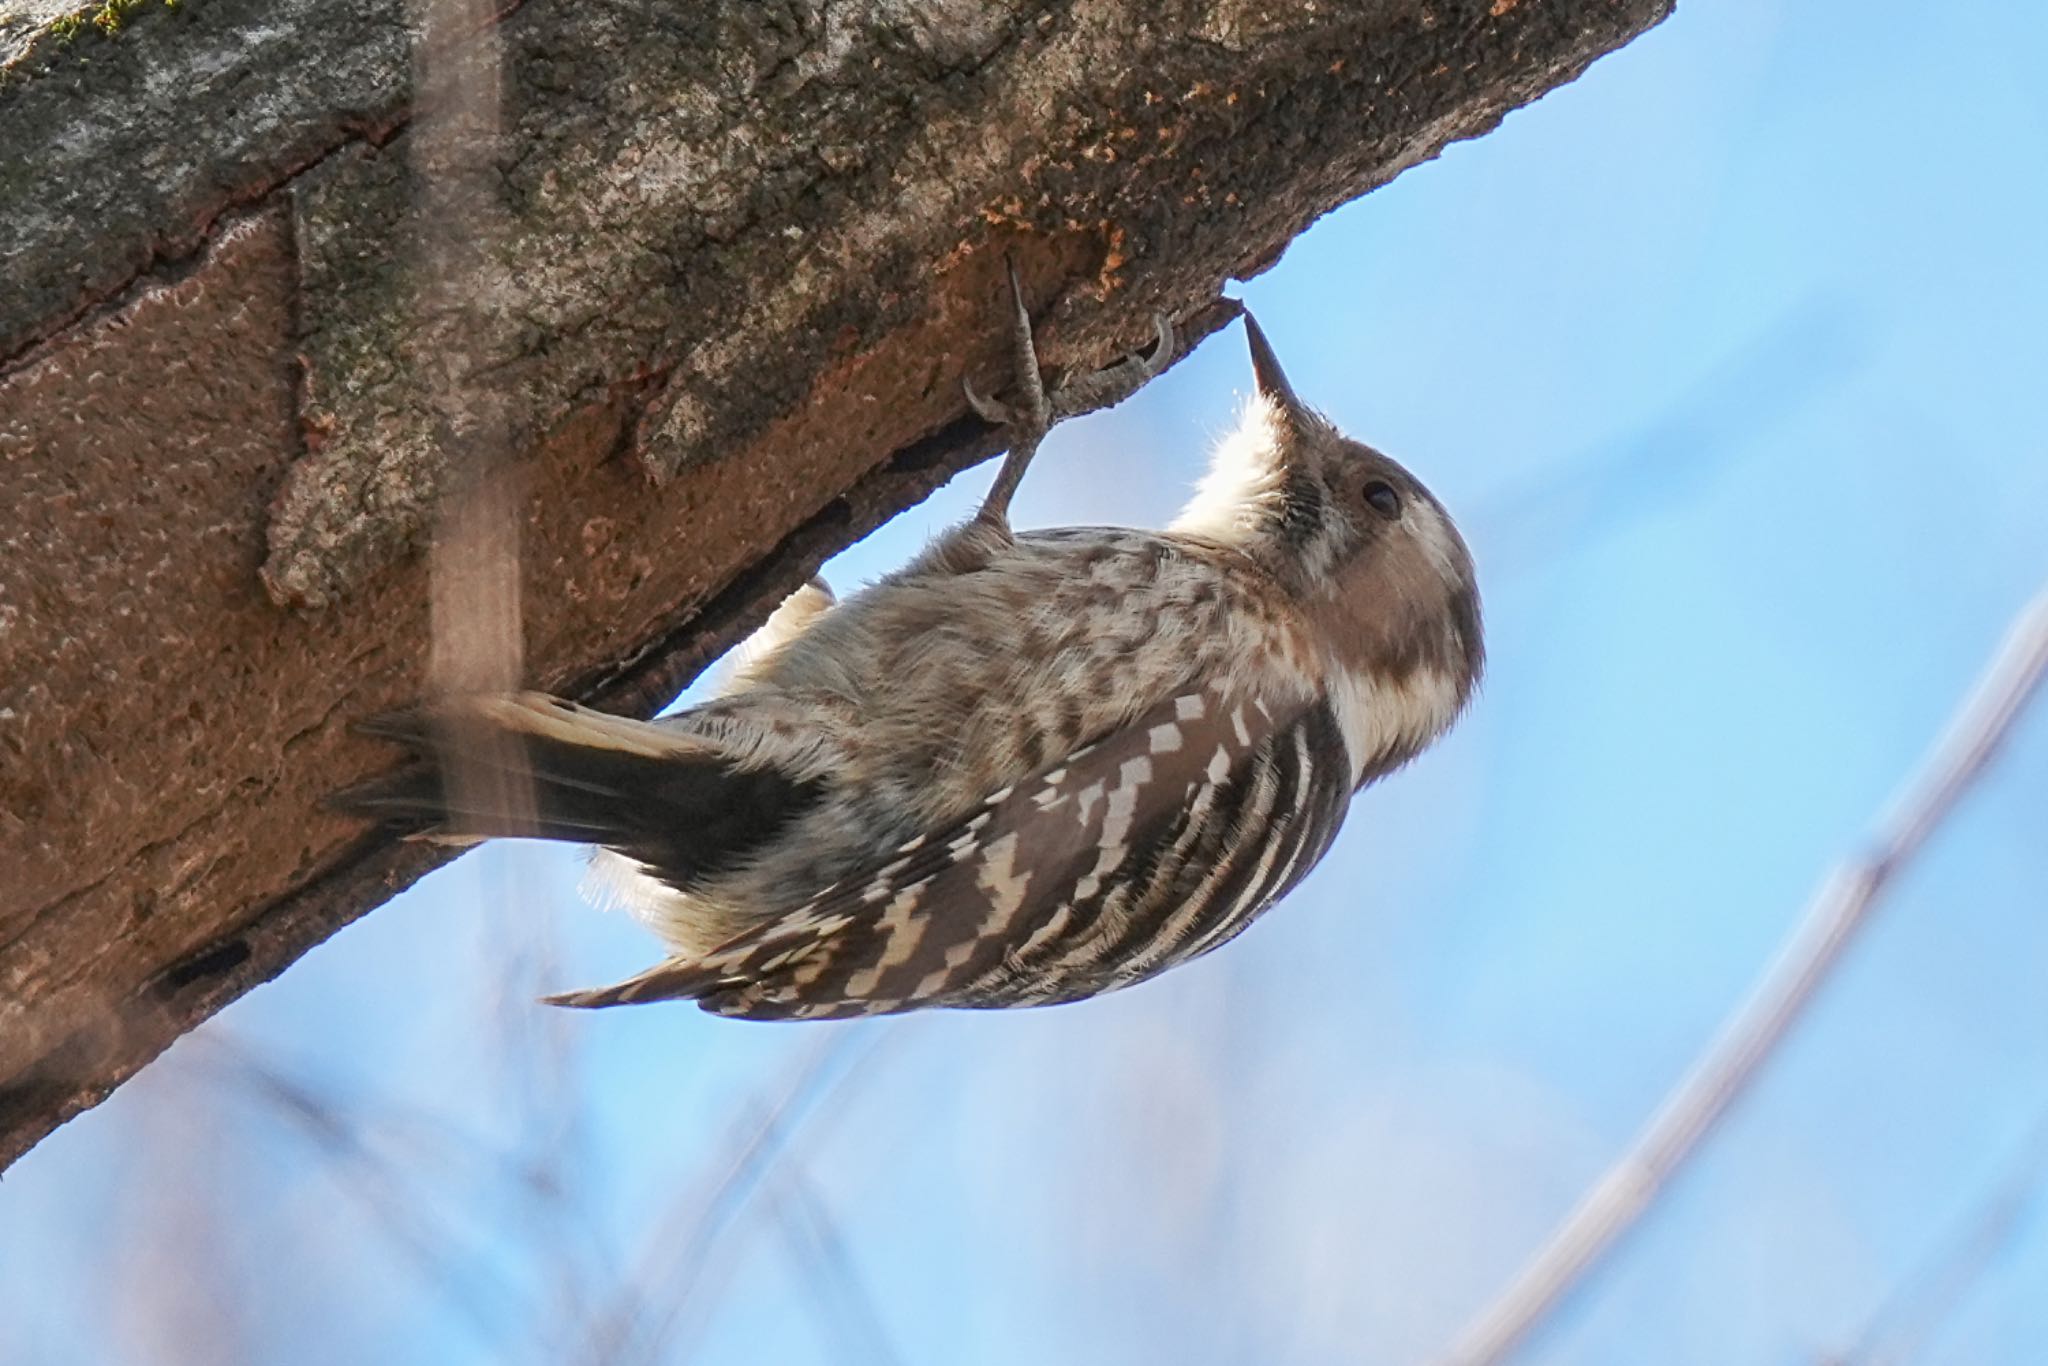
point(1747, 1040)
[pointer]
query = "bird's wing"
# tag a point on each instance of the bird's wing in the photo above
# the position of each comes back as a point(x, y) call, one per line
point(1154, 844)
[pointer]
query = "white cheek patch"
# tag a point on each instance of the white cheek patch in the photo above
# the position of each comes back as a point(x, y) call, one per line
point(1377, 717)
point(1439, 540)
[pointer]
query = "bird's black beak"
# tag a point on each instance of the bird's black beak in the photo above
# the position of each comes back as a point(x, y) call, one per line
point(1272, 380)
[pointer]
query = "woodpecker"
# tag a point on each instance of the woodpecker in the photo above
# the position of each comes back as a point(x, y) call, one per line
point(1029, 767)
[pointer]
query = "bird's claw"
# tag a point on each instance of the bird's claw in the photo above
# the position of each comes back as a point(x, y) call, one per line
point(1109, 387)
point(1029, 418)
point(992, 411)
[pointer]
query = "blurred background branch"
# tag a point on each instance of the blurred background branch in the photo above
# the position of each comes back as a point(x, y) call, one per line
point(1906, 1324)
point(654, 1301)
point(1631, 1186)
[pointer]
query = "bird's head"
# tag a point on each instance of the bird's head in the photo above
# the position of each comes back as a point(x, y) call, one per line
point(1368, 551)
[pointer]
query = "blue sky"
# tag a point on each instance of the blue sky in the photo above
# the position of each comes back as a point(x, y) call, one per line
point(1730, 359)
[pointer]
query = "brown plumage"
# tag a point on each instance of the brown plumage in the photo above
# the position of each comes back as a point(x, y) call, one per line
point(1026, 768)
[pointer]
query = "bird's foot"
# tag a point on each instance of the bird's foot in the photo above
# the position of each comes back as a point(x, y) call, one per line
point(1034, 412)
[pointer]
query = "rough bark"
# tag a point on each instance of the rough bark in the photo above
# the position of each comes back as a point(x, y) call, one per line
point(742, 253)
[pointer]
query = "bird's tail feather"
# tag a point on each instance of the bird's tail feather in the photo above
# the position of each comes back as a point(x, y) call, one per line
point(526, 764)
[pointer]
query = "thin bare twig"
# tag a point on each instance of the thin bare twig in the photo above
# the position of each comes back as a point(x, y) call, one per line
point(467, 347)
point(463, 298)
point(402, 1203)
point(1841, 908)
point(1911, 1317)
point(838, 1293)
point(679, 1249)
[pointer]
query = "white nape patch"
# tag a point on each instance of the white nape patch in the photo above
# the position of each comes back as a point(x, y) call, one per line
point(1246, 479)
point(1376, 716)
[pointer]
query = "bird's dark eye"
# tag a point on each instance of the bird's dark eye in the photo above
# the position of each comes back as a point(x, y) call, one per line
point(1384, 500)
